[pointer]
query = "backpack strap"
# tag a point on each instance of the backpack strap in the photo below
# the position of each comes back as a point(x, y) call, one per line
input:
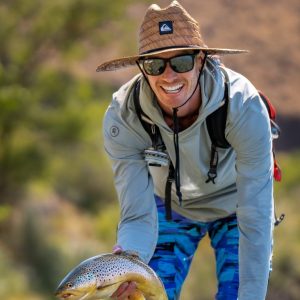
point(156, 139)
point(216, 124)
point(146, 122)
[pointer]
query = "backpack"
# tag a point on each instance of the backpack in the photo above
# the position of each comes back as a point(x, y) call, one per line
point(216, 124)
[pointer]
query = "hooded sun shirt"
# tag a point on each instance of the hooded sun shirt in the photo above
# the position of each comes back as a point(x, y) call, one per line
point(243, 185)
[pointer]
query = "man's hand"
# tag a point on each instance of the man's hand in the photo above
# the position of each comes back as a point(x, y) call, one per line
point(117, 249)
point(126, 289)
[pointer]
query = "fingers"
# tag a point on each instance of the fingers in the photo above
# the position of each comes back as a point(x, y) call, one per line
point(117, 249)
point(124, 291)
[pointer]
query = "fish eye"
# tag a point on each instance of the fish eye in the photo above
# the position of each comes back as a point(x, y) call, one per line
point(69, 285)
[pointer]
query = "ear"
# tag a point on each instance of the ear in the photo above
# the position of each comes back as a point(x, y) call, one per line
point(200, 59)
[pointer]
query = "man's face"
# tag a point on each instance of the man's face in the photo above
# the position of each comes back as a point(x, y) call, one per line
point(171, 88)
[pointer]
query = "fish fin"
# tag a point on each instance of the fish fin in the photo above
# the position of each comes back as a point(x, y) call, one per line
point(137, 295)
point(87, 294)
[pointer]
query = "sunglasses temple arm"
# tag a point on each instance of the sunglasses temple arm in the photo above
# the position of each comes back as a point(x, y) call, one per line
point(143, 73)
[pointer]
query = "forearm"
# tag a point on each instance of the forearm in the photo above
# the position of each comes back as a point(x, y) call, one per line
point(255, 246)
point(139, 236)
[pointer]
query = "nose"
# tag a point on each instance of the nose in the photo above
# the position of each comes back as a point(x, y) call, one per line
point(169, 73)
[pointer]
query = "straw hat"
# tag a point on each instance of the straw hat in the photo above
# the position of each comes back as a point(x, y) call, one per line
point(163, 30)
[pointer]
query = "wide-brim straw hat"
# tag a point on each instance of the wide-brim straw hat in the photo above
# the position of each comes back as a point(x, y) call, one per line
point(164, 30)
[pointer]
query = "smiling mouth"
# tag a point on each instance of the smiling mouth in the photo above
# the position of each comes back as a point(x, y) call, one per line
point(172, 89)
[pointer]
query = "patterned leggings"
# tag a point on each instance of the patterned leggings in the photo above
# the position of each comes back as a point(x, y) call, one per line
point(178, 240)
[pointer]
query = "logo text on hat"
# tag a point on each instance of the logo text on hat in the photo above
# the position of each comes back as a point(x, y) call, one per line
point(165, 27)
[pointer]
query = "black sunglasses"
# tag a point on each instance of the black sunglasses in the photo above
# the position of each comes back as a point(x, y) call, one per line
point(180, 64)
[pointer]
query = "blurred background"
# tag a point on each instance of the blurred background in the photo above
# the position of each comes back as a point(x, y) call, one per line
point(57, 201)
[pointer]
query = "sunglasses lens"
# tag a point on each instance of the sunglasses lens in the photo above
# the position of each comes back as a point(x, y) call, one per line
point(154, 66)
point(181, 64)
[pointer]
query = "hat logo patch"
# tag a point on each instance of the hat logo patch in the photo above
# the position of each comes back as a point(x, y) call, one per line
point(165, 27)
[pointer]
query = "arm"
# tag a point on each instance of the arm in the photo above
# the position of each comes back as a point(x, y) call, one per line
point(250, 136)
point(137, 230)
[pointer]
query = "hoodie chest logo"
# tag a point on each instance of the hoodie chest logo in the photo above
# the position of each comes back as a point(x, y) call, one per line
point(114, 131)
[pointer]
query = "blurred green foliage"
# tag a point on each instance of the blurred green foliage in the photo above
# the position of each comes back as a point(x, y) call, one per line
point(47, 113)
point(57, 201)
point(51, 151)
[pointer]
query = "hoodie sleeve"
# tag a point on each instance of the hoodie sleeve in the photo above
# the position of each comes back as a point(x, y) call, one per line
point(137, 230)
point(248, 131)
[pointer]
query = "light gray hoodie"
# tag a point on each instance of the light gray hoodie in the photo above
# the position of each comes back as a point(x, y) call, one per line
point(244, 184)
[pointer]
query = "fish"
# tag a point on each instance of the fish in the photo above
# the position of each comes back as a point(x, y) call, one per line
point(100, 276)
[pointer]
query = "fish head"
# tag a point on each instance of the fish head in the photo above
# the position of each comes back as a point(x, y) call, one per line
point(79, 284)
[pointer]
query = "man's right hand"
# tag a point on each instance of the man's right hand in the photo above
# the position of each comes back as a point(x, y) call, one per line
point(126, 289)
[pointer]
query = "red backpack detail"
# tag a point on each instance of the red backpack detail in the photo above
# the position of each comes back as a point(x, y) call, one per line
point(275, 129)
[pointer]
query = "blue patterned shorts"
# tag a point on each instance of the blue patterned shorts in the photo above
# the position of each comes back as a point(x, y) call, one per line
point(177, 243)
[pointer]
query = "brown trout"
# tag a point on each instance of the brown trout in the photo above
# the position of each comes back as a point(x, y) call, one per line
point(100, 276)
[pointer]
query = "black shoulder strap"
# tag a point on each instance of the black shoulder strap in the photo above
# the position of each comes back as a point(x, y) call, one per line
point(154, 134)
point(149, 126)
point(216, 123)
point(138, 108)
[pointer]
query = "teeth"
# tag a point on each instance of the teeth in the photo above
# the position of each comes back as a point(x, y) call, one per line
point(172, 89)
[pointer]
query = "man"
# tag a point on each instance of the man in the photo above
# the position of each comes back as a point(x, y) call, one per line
point(227, 195)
